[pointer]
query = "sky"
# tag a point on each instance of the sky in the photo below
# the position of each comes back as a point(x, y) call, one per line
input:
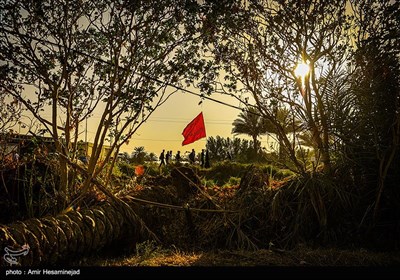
point(163, 129)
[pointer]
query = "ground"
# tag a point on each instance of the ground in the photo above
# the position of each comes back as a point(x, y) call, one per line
point(316, 263)
point(297, 257)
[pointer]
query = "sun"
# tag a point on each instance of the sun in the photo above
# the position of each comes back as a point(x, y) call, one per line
point(302, 69)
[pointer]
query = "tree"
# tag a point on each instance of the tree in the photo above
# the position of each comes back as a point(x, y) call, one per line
point(250, 123)
point(152, 157)
point(372, 139)
point(139, 155)
point(261, 50)
point(240, 150)
point(9, 114)
point(347, 98)
point(124, 157)
point(216, 146)
point(65, 61)
point(288, 124)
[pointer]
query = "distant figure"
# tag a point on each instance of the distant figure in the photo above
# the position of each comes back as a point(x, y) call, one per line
point(178, 157)
point(168, 157)
point(162, 157)
point(207, 163)
point(192, 157)
point(202, 155)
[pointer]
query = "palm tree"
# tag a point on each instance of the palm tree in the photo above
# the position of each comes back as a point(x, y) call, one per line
point(251, 123)
point(139, 154)
point(285, 122)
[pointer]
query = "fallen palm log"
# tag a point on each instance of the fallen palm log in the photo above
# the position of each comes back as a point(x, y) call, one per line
point(53, 239)
point(74, 233)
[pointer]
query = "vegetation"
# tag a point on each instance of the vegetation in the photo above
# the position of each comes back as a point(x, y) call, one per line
point(235, 149)
point(333, 183)
point(250, 123)
point(74, 58)
point(326, 105)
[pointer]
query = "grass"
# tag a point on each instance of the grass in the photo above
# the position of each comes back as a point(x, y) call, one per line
point(299, 257)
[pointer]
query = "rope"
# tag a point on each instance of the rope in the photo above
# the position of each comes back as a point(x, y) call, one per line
point(176, 207)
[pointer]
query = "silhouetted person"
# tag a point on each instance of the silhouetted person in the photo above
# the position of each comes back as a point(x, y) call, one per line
point(207, 160)
point(178, 157)
point(162, 157)
point(168, 157)
point(202, 155)
point(192, 157)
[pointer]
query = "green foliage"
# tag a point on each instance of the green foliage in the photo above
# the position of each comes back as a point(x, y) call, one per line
point(270, 170)
point(126, 169)
point(221, 172)
point(235, 149)
point(152, 169)
point(139, 155)
point(233, 181)
point(208, 183)
point(250, 122)
point(75, 55)
point(275, 172)
point(229, 172)
point(283, 173)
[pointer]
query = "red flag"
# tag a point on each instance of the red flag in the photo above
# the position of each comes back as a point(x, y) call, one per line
point(194, 130)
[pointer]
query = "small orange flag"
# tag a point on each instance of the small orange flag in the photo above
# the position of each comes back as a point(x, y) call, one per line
point(195, 130)
point(139, 170)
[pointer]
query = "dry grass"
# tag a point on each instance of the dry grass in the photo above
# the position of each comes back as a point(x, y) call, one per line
point(299, 257)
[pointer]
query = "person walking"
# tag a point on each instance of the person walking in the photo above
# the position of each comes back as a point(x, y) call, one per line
point(178, 157)
point(162, 159)
point(202, 156)
point(168, 157)
point(192, 157)
point(207, 160)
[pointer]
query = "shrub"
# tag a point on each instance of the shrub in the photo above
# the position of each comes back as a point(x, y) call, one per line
point(222, 171)
point(233, 181)
point(126, 169)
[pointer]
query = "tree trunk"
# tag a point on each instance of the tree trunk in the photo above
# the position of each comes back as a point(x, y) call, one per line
point(53, 239)
point(255, 145)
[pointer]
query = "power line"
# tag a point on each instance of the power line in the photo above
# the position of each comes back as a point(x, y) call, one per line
point(169, 121)
point(172, 120)
point(184, 119)
point(169, 140)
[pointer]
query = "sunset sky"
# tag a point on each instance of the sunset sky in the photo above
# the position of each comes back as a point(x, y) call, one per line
point(164, 128)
